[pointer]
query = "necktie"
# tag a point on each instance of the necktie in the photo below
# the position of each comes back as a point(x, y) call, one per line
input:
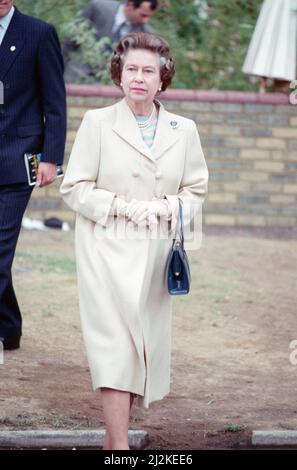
point(123, 29)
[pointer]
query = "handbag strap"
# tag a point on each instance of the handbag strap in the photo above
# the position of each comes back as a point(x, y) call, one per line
point(179, 230)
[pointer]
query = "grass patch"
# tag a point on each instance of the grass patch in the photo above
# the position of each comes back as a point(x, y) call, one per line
point(231, 427)
point(43, 263)
point(211, 290)
point(54, 421)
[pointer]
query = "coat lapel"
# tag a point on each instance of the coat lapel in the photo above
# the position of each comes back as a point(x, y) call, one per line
point(166, 134)
point(12, 44)
point(126, 127)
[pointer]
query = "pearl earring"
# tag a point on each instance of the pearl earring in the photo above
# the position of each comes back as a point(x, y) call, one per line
point(160, 88)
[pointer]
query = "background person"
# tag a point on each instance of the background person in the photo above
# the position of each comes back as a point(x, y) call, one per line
point(115, 19)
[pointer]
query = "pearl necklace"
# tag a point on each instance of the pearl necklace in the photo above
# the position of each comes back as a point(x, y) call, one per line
point(147, 122)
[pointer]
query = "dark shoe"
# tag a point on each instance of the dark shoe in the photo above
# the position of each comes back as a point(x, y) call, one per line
point(11, 342)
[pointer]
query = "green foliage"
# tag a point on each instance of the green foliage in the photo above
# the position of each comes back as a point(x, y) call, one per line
point(60, 13)
point(179, 23)
point(225, 41)
point(231, 427)
point(63, 15)
point(88, 50)
point(209, 48)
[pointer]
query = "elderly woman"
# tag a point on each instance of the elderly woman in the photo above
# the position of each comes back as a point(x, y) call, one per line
point(130, 164)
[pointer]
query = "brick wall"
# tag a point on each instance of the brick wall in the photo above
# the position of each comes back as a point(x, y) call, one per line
point(250, 145)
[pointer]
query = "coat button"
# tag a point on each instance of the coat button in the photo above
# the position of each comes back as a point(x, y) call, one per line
point(158, 175)
point(135, 173)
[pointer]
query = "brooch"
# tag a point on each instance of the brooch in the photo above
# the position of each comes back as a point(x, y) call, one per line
point(174, 124)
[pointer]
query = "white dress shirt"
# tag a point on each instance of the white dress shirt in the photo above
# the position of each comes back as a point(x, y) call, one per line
point(4, 23)
point(122, 25)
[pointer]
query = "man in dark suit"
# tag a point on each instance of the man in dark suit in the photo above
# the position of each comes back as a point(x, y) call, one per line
point(32, 120)
point(114, 20)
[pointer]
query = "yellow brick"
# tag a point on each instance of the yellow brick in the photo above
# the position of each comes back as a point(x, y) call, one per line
point(269, 166)
point(225, 130)
point(293, 121)
point(270, 143)
point(267, 187)
point(253, 176)
point(281, 221)
point(290, 188)
point(222, 198)
point(237, 186)
point(213, 219)
point(282, 199)
point(285, 132)
point(255, 220)
point(76, 112)
point(239, 142)
point(254, 154)
point(203, 130)
point(281, 155)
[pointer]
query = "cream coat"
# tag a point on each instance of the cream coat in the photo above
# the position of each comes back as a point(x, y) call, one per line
point(125, 307)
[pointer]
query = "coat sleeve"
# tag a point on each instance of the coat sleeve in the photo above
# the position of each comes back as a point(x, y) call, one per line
point(79, 189)
point(193, 187)
point(53, 95)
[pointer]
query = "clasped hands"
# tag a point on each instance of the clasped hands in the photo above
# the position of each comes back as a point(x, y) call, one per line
point(143, 213)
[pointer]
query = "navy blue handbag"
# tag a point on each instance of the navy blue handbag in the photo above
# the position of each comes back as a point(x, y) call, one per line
point(178, 270)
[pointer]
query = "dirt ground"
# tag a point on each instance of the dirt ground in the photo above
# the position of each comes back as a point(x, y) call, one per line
point(231, 372)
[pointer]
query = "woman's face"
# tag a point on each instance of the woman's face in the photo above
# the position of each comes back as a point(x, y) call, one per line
point(141, 76)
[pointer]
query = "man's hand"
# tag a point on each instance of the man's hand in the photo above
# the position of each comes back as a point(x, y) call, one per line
point(47, 173)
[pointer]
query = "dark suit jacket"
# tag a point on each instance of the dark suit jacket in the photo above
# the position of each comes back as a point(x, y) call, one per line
point(33, 116)
point(102, 14)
